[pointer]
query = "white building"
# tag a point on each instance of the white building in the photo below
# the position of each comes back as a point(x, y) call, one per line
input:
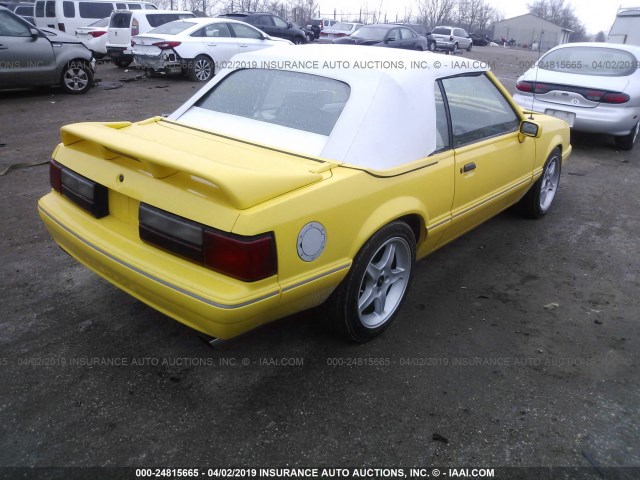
point(626, 27)
point(531, 30)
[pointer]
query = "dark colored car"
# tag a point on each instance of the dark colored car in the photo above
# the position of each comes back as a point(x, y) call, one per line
point(479, 40)
point(32, 57)
point(310, 34)
point(386, 35)
point(23, 9)
point(271, 24)
point(423, 32)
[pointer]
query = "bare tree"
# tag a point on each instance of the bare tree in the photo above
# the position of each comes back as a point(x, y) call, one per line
point(435, 12)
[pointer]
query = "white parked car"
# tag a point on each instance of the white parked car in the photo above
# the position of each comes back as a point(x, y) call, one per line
point(594, 87)
point(339, 30)
point(125, 24)
point(94, 37)
point(198, 47)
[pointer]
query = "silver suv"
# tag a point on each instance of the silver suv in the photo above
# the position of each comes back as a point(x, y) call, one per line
point(31, 57)
point(451, 38)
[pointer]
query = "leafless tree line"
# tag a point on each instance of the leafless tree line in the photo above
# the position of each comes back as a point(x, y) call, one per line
point(473, 15)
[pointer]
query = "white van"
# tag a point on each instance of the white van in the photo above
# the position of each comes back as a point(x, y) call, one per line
point(67, 15)
point(125, 24)
point(626, 27)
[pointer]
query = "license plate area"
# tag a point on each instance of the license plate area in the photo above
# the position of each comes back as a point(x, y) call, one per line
point(568, 117)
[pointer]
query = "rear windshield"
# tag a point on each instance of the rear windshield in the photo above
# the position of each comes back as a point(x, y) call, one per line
point(157, 19)
point(342, 26)
point(95, 9)
point(371, 33)
point(601, 62)
point(120, 20)
point(441, 31)
point(292, 99)
point(173, 28)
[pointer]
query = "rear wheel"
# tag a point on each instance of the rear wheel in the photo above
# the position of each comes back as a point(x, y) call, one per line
point(539, 198)
point(432, 46)
point(201, 69)
point(626, 142)
point(298, 41)
point(77, 77)
point(368, 299)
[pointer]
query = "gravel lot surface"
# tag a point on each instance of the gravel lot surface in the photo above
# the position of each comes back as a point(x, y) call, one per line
point(519, 344)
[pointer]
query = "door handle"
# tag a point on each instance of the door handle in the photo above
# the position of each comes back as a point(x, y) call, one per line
point(243, 45)
point(212, 44)
point(468, 167)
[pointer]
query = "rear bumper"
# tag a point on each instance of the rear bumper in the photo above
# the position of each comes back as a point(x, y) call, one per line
point(167, 60)
point(201, 299)
point(604, 119)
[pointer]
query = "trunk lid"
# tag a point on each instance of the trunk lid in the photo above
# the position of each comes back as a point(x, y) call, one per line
point(572, 93)
point(242, 174)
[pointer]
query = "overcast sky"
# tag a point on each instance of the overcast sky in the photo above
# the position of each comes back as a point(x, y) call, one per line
point(595, 14)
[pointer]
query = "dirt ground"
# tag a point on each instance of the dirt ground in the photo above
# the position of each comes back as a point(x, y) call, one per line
point(519, 344)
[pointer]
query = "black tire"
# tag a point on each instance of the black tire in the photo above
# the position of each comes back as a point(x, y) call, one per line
point(383, 267)
point(470, 46)
point(536, 203)
point(432, 46)
point(77, 77)
point(626, 142)
point(201, 69)
point(122, 62)
point(297, 40)
point(455, 48)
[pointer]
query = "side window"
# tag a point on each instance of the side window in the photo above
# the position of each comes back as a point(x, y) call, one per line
point(280, 22)
point(394, 35)
point(134, 6)
point(243, 31)
point(121, 6)
point(217, 30)
point(40, 9)
point(69, 9)
point(264, 20)
point(407, 34)
point(478, 109)
point(50, 9)
point(442, 123)
point(12, 27)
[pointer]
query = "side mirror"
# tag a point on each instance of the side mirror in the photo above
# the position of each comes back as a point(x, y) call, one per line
point(289, 25)
point(34, 33)
point(529, 129)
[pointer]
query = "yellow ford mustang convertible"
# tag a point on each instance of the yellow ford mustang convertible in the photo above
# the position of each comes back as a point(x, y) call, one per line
point(300, 176)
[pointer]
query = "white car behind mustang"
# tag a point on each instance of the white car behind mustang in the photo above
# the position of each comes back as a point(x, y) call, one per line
point(198, 47)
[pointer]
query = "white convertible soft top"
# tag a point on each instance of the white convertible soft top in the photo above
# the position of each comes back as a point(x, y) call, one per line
point(389, 119)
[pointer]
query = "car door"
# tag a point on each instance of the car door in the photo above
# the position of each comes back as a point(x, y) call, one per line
point(219, 43)
point(24, 59)
point(409, 39)
point(493, 162)
point(265, 23)
point(394, 38)
point(248, 38)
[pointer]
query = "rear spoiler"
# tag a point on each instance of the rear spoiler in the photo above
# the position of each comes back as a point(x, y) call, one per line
point(243, 187)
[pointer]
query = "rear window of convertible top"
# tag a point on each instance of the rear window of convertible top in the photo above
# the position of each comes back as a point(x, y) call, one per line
point(292, 99)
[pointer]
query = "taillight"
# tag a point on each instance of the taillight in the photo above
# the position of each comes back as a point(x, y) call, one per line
point(323, 34)
point(245, 258)
point(165, 45)
point(341, 34)
point(97, 33)
point(615, 97)
point(524, 87)
point(85, 193)
point(55, 175)
point(135, 28)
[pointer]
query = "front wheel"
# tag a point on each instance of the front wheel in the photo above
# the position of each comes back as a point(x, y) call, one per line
point(470, 46)
point(432, 46)
point(298, 41)
point(368, 299)
point(77, 77)
point(201, 69)
point(626, 142)
point(539, 198)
